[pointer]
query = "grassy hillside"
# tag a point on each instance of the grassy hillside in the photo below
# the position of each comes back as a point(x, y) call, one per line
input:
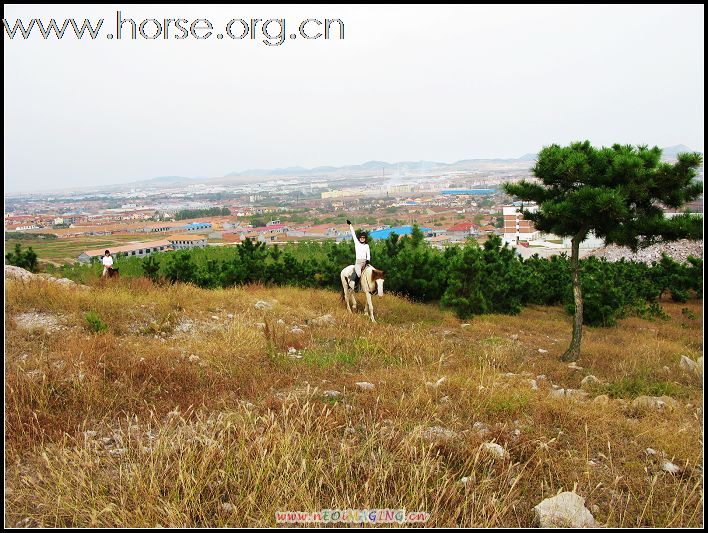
point(195, 408)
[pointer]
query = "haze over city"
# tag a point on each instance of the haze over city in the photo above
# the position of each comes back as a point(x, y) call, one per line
point(425, 83)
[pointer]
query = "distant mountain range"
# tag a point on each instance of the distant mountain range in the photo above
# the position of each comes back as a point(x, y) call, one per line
point(669, 152)
point(403, 166)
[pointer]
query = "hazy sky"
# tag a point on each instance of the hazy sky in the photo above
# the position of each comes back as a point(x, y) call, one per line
point(439, 83)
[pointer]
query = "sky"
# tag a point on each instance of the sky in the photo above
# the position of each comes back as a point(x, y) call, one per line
point(439, 83)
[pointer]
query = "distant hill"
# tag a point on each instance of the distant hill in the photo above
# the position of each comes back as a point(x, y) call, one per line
point(165, 181)
point(673, 151)
point(528, 157)
point(368, 166)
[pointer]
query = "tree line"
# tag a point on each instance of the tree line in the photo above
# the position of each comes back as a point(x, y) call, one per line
point(472, 280)
point(186, 214)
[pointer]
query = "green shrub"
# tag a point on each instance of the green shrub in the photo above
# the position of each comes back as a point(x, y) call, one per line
point(95, 324)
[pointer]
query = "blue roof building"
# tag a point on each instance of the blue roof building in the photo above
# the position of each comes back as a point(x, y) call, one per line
point(401, 230)
point(194, 226)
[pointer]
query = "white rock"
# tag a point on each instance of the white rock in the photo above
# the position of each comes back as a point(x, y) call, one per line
point(281, 321)
point(194, 358)
point(533, 383)
point(230, 316)
point(324, 319)
point(292, 350)
point(435, 433)
point(671, 468)
point(481, 429)
point(227, 507)
point(214, 317)
point(118, 451)
point(260, 325)
point(541, 350)
point(365, 385)
point(332, 394)
point(557, 393)
point(437, 383)
point(495, 450)
point(567, 509)
point(297, 330)
point(261, 304)
point(576, 394)
point(465, 326)
point(574, 366)
point(602, 399)
point(650, 451)
point(465, 480)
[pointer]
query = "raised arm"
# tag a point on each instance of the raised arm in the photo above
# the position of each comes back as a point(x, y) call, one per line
point(351, 228)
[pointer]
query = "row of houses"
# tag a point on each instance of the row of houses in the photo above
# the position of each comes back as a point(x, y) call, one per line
point(143, 249)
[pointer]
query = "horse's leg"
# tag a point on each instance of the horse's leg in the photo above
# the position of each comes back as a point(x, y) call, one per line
point(370, 306)
point(345, 288)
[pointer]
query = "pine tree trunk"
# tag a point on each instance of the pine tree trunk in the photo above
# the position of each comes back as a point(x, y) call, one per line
point(573, 351)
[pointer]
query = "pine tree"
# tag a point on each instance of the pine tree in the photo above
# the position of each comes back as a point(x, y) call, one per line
point(618, 193)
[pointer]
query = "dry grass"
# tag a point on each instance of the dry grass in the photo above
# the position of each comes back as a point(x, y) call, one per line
point(192, 412)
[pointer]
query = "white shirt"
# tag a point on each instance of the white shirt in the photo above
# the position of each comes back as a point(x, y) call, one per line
point(363, 252)
point(107, 261)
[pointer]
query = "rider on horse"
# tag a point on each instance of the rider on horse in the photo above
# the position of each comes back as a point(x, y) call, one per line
point(363, 255)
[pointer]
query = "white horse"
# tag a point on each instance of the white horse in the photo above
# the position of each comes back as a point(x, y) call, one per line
point(371, 280)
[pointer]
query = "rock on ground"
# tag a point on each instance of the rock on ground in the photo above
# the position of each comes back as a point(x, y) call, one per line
point(678, 251)
point(20, 274)
point(567, 509)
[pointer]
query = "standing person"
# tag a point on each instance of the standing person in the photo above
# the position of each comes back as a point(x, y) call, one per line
point(363, 253)
point(107, 261)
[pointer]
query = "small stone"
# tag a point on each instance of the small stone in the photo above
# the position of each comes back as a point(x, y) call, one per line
point(463, 326)
point(281, 321)
point(118, 451)
point(533, 383)
point(214, 317)
point(194, 358)
point(589, 382)
point(465, 480)
point(227, 507)
point(89, 434)
point(576, 394)
point(541, 350)
point(261, 304)
point(332, 394)
point(557, 393)
point(365, 385)
point(602, 399)
point(297, 330)
point(650, 451)
point(574, 366)
point(260, 325)
point(230, 316)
